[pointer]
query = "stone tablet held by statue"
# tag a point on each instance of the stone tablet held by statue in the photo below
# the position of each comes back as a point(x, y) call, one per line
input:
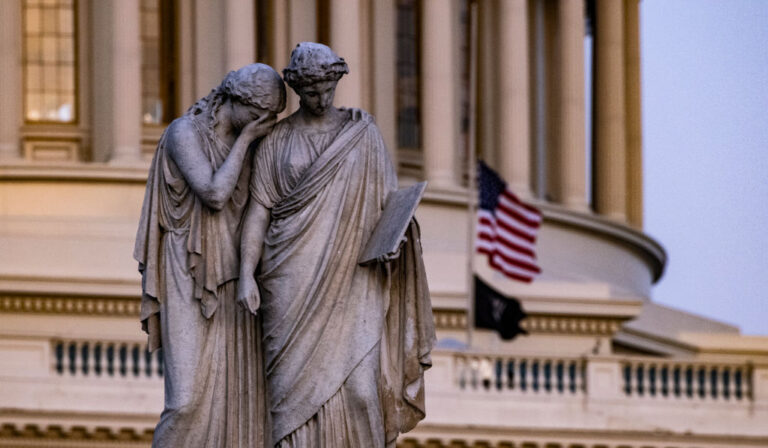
point(390, 230)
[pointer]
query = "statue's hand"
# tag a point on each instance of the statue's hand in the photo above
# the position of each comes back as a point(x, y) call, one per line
point(259, 127)
point(248, 294)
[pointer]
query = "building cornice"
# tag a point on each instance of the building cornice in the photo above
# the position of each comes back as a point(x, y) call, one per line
point(75, 172)
point(489, 436)
point(457, 197)
point(445, 319)
point(55, 434)
point(94, 306)
point(539, 323)
point(590, 222)
point(583, 220)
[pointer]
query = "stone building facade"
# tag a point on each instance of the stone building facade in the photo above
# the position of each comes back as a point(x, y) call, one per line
point(546, 91)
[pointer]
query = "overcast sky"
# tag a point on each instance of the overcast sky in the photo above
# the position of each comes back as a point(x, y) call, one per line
point(705, 137)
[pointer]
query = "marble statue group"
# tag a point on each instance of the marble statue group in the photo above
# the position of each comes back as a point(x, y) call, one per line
point(272, 334)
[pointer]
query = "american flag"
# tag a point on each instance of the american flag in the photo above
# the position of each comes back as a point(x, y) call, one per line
point(507, 227)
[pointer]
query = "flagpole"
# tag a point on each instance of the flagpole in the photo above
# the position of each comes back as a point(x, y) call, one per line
point(472, 172)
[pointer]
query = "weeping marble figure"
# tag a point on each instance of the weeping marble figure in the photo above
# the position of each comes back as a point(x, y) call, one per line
point(187, 247)
point(319, 351)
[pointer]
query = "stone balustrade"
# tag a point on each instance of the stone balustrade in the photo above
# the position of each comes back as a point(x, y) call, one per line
point(493, 393)
point(650, 378)
point(504, 392)
point(521, 374)
point(105, 359)
point(673, 379)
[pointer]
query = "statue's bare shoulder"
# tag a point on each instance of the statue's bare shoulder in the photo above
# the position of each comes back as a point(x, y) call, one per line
point(181, 139)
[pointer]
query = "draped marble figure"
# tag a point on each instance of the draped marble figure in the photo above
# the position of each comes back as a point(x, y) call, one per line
point(345, 346)
point(187, 247)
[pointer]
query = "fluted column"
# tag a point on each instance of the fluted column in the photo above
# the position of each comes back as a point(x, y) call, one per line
point(610, 116)
point(439, 101)
point(514, 121)
point(117, 55)
point(239, 34)
point(349, 40)
point(571, 141)
point(10, 74)
point(634, 114)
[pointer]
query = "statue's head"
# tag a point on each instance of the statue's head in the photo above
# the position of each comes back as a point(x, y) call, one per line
point(313, 73)
point(256, 85)
point(312, 63)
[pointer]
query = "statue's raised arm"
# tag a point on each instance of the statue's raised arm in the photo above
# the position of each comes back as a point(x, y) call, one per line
point(187, 247)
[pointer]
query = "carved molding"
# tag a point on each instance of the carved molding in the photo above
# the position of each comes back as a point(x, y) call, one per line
point(12, 435)
point(103, 306)
point(76, 435)
point(444, 319)
point(549, 324)
point(571, 325)
point(450, 319)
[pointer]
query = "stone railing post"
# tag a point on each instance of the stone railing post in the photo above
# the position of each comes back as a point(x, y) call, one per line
point(603, 379)
point(442, 373)
point(24, 357)
point(760, 385)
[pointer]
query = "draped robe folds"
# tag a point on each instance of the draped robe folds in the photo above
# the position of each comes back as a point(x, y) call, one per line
point(188, 256)
point(345, 346)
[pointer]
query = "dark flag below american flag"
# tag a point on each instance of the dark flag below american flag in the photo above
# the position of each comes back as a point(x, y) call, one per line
point(507, 228)
point(494, 311)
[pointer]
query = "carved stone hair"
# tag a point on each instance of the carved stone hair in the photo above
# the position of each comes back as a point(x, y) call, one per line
point(311, 63)
point(254, 84)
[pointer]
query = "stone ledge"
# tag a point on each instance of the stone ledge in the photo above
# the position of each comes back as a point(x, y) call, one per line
point(75, 171)
point(96, 306)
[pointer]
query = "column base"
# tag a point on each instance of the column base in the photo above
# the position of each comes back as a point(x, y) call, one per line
point(10, 151)
point(126, 156)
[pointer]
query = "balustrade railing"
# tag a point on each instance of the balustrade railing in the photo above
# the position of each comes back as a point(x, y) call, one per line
point(635, 377)
point(521, 374)
point(686, 380)
point(105, 359)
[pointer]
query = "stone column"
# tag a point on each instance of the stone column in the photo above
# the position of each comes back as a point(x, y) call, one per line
point(610, 115)
point(571, 139)
point(10, 74)
point(186, 71)
point(384, 67)
point(210, 45)
point(302, 27)
point(439, 96)
point(514, 121)
point(239, 34)
point(126, 72)
point(634, 113)
point(348, 40)
point(117, 56)
point(487, 79)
